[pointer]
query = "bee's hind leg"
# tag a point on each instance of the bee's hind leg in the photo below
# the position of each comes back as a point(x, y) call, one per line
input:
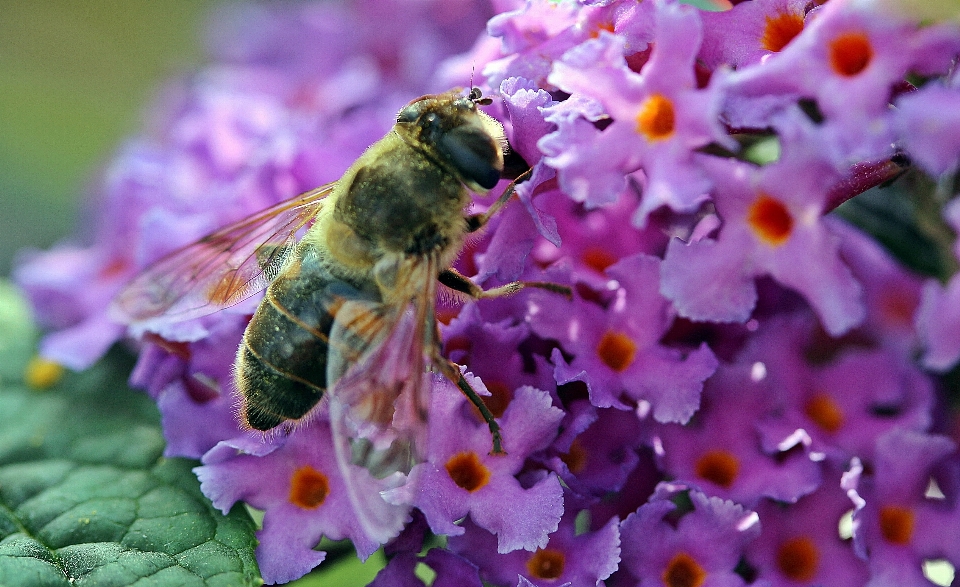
point(451, 371)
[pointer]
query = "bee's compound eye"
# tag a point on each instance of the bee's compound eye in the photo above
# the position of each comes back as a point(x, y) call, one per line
point(408, 114)
point(474, 155)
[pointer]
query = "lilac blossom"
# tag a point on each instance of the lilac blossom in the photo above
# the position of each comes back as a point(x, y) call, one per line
point(702, 548)
point(616, 350)
point(568, 557)
point(899, 522)
point(459, 477)
point(938, 318)
point(729, 348)
point(771, 225)
point(799, 543)
point(656, 119)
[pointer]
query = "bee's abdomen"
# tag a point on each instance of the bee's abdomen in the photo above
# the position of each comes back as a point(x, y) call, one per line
point(282, 361)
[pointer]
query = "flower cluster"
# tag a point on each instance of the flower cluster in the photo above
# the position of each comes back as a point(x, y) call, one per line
point(742, 389)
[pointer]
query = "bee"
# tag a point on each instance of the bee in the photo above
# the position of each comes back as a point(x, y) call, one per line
point(349, 309)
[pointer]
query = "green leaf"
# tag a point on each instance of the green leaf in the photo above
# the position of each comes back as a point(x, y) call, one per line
point(86, 497)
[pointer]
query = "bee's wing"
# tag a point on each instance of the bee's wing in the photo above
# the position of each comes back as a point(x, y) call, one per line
point(378, 406)
point(221, 269)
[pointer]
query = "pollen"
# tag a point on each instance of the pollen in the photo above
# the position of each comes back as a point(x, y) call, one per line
point(598, 259)
point(546, 563)
point(718, 466)
point(798, 559)
point(770, 220)
point(656, 118)
point(467, 471)
point(780, 29)
point(850, 54)
point(896, 524)
point(41, 373)
point(683, 571)
point(308, 488)
point(576, 459)
point(616, 350)
point(824, 411)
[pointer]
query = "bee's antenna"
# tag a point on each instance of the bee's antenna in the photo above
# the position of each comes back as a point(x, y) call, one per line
point(475, 94)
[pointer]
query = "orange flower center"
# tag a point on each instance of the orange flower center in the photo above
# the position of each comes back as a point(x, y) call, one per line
point(308, 488)
point(546, 564)
point(576, 459)
point(598, 259)
point(616, 350)
point(718, 466)
point(850, 54)
point(780, 30)
point(683, 571)
point(770, 220)
point(656, 118)
point(467, 471)
point(824, 412)
point(798, 559)
point(896, 524)
point(601, 26)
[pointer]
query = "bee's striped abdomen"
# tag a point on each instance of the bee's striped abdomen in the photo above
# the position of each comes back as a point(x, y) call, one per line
point(282, 361)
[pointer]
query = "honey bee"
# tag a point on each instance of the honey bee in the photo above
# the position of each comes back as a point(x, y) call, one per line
point(349, 308)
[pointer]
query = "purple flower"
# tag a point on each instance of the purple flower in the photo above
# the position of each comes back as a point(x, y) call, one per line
point(842, 404)
point(657, 118)
point(616, 351)
point(598, 449)
point(750, 32)
point(772, 226)
point(192, 384)
point(296, 481)
point(539, 33)
point(926, 123)
point(799, 543)
point(722, 452)
point(462, 477)
point(451, 570)
point(938, 318)
point(568, 557)
point(899, 522)
point(891, 292)
point(702, 548)
point(847, 61)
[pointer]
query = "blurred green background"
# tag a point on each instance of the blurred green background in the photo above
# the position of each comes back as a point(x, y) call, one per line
point(76, 77)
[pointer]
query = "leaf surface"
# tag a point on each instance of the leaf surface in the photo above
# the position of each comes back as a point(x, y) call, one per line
point(86, 497)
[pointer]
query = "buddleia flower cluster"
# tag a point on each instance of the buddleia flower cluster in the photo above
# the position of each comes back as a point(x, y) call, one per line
point(752, 381)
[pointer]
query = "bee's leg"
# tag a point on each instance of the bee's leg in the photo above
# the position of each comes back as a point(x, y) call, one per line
point(459, 282)
point(451, 371)
point(478, 221)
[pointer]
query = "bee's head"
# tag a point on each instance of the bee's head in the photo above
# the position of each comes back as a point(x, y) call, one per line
point(452, 130)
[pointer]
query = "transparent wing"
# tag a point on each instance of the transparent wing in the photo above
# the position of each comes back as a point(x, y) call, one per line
point(378, 406)
point(221, 269)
